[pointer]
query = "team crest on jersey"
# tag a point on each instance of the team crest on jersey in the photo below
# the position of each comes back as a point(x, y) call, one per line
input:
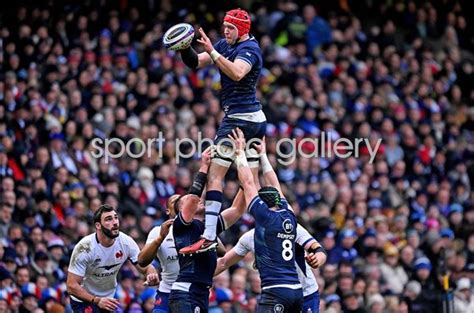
point(287, 226)
point(278, 308)
point(197, 309)
point(119, 254)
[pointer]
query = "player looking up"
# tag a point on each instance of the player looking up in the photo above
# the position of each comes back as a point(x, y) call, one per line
point(239, 59)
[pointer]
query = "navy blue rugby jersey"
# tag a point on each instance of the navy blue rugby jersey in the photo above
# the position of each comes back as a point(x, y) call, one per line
point(275, 235)
point(200, 267)
point(240, 97)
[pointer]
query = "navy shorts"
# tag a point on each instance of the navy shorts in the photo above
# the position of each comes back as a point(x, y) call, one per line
point(280, 300)
point(250, 130)
point(311, 303)
point(86, 307)
point(161, 302)
point(196, 300)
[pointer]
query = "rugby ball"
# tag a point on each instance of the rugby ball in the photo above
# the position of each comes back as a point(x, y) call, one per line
point(178, 37)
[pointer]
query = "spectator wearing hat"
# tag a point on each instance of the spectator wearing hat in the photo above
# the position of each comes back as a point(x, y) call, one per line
point(333, 303)
point(412, 295)
point(56, 250)
point(49, 297)
point(45, 217)
point(30, 295)
point(463, 297)
point(392, 272)
point(376, 304)
point(430, 296)
point(351, 303)
point(59, 154)
point(9, 259)
point(224, 298)
point(344, 249)
point(147, 299)
point(41, 264)
point(6, 279)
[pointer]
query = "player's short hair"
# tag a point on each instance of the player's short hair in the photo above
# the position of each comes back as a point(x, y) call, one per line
point(104, 208)
point(270, 195)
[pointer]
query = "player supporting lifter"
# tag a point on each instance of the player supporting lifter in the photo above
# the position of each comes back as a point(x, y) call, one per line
point(304, 242)
point(190, 292)
point(96, 261)
point(275, 234)
point(239, 59)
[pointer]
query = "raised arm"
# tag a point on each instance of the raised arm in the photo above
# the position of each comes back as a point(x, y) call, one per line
point(244, 172)
point(237, 253)
point(189, 202)
point(148, 253)
point(229, 259)
point(232, 214)
point(269, 175)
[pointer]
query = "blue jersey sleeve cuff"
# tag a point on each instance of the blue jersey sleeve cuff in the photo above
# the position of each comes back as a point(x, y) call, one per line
point(245, 60)
point(306, 242)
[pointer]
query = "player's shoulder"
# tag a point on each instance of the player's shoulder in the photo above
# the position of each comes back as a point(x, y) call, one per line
point(123, 237)
point(251, 43)
point(86, 245)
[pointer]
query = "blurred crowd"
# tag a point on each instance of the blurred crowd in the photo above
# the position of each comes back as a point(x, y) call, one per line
point(397, 70)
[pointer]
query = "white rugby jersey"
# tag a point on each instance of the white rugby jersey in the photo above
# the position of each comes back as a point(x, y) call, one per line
point(99, 265)
point(246, 244)
point(168, 258)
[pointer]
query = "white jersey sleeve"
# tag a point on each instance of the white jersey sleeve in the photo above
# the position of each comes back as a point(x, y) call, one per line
point(80, 258)
point(154, 233)
point(303, 236)
point(245, 244)
point(133, 249)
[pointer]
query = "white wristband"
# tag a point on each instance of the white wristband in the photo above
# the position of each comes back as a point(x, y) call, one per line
point(214, 55)
point(265, 163)
point(241, 161)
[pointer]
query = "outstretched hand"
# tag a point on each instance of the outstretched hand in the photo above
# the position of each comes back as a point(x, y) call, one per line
point(261, 148)
point(207, 155)
point(165, 228)
point(205, 41)
point(238, 138)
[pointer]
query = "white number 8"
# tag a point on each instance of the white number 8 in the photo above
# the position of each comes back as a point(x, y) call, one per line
point(287, 253)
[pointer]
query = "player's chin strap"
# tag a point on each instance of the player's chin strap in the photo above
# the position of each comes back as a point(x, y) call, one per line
point(225, 156)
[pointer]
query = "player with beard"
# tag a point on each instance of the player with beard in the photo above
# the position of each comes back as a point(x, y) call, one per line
point(96, 261)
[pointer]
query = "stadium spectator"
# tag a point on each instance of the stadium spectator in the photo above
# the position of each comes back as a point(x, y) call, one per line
point(399, 71)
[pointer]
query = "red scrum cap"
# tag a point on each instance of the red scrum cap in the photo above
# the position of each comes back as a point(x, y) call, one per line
point(240, 19)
